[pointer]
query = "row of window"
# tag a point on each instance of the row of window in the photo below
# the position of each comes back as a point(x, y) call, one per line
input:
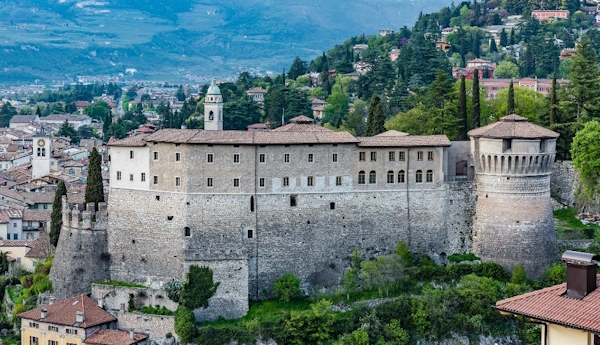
point(391, 177)
point(392, 156)
point(41, 152)
point(35, 341)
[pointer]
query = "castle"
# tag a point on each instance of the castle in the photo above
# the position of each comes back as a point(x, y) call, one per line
point(255, 205)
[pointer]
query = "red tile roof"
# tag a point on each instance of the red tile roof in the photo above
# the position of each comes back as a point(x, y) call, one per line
point(550, 305)
point(64, 313)
point(400, 139)
point(114, 337)
point(513, 126)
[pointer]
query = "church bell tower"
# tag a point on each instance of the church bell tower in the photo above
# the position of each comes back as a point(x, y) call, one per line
point(213, 108)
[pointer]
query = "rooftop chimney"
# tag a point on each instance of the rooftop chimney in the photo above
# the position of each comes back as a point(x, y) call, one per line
point(79, 317)
point(581, 273)
point(101, 303)
point(44, 313)
point(51, 300)
point(131, 334)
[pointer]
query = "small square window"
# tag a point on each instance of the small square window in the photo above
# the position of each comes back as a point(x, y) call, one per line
point(261, 182)
point(177, 157)
point(177, 181)
point(311, 158)
point(155, 179)
point(209, 182)
point(155, 155)
point(430, 155)
point(118, 175)
point(261, 158)
point(286, 181)
point(338, 180)
point(420, 155)
point(310, 181)
point(236, 158)
point(334, 158)
point(210, 157)
point(130, 177)
point(143, 178)
point(373, 156)
point(131, 154)
point(392, 156)
point(401, 156)
point(286, 158)
point(236, 182)
point(361, 156)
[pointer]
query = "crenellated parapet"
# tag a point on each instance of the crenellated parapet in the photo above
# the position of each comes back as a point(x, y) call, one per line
point(76, 217)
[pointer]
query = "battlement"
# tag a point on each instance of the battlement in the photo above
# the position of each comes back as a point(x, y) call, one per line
point(75, 217)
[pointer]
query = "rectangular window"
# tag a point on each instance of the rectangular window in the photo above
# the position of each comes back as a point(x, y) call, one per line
point(361, 156)
point(155, 179)
point(401, 156)
point(293, 202)
point(177, 181)
point(430, 155)
point(53, 328)
point(143, 177)
point(33, 340)
point(52, 342)
point(131, 177)
point(334, 158)
point(131, 154)
point(286, 158)
point(155, 155)
point(261, 182)
point(72, 343)
point(420, 155)
point(261, 158)
point(236, 158)
point(286, 181)
point(310, 181)
point(34, 325)
point(177, 157)
point(373, 156)
point(236, 182)
point(311, 158)
point(338, 180)
point(210, 157)
point(209, 182)
point(392, 156)
point(118, 175)
point(250, 233)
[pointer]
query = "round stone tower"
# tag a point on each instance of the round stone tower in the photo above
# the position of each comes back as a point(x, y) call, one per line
point(513, 221)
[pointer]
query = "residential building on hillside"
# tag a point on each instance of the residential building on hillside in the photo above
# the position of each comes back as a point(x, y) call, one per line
point(547, 14)
point(493, 86)
point(257, 94)
point(26, 254)
point(14, 159)
point(75, 121)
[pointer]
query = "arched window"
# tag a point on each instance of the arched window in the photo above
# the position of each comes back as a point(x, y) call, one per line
point(361, 177)
point(401, 176)
point(39, 152)
point(419, 176)
point(43, 152)
point(211, 116)
point(390, 177)
point(429, 175)
point(372, 177)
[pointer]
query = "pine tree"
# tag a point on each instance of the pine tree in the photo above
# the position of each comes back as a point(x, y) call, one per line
point(375, 117)
point(475, 105)
point(553, 101)
point(56, 216)
point(462, 109)
point(510, 105)
point(94, 190)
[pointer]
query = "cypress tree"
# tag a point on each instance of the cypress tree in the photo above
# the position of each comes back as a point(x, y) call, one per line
point(94, 190)
point(38, 112)
point(493, 46)
point(553, 101)
point(510, 108)
point(375, 117)
point(475, 105)
point(511, 40)
point(106, 125)
point(56, 216)
point(462, 109)
point(503, 38)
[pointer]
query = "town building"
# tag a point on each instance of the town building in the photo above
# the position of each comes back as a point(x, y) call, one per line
point(547, 14)
point(257, 94)
point(568, 312)
point(318, 107)
point(495, 85)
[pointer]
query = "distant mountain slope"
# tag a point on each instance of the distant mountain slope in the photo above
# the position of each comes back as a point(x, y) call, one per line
point(58, 39)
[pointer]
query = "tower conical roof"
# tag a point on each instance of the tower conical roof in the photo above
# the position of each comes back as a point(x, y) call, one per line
point(513, 126)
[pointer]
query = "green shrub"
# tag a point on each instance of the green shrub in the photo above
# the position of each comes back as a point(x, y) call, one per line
point(27, 281)
point(185, 324)
point(519, 276)
point(130, 303)
point(491, 270)
point(157, 310)
point(119, 283)
point(173, 290)
point(30, 302)
point(286, 287)
point(211, 335)
point(403, 253)
point(41, 283)
point(310, 326)
point(198, 287)
point(462, 257)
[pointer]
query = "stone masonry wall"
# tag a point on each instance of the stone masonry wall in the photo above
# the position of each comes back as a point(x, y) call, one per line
point(563, 182)
point(156, 326)
point(81, 254)
point(116, 296)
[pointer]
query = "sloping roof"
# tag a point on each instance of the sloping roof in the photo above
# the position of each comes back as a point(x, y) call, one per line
point(513, 126)
point(114, 337)
point(137, 140)
point(64, 313)
point(64, 117)
point(398, 139)
point(391, 133)
point(257, 90)
point(550, 305)
point(7, 215)
point(22, 119)
point(301, 127)
point(315, 100)
point(36, 215)
point(301, 119)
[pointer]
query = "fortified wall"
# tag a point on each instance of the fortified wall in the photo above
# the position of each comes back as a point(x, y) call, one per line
point(81, 254)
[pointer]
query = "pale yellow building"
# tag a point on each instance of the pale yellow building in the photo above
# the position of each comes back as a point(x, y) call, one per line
point(74, 321)
point(568, 313)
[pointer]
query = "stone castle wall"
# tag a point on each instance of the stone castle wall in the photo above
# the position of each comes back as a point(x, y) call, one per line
point(81, 254)
point(114, 297)
point(156, 326)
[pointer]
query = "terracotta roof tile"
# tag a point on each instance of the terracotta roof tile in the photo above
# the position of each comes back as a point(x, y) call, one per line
point(302, 119)
point(36, 215)
point(137, 140)
point(550, 305)
point(114, 337)
point(513, 126)
point(64, 313)
point(302, 127)
point(399, 140)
